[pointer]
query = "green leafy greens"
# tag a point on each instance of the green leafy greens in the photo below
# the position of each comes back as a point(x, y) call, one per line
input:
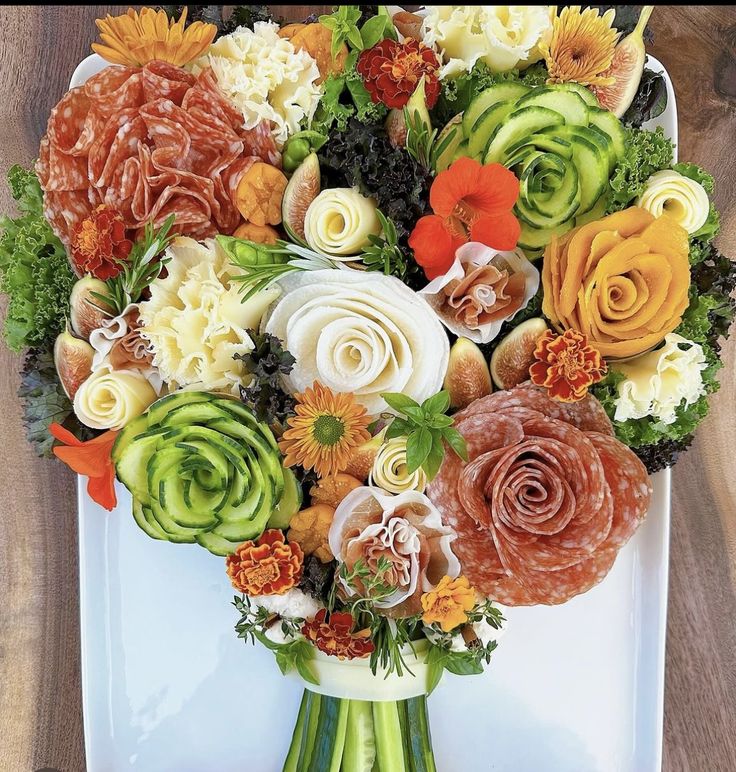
point(34, 270)
point(427, 430)
point(385, 254)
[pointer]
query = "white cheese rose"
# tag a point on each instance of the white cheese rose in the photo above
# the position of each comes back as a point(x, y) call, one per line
point(339, 221)
point(359, 332)
point(266, 77)
point(195, 320)
point(683, 199)
point(660, 381)
point(109, 399)
point(390, 471)
point(503, 36)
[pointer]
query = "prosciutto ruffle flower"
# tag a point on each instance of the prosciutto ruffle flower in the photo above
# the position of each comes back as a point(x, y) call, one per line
point(566, 365)
point(99, 244)
point(268, 566)
point(91, 459)
point(471, 202)
point(391, 72)
point(335, 636)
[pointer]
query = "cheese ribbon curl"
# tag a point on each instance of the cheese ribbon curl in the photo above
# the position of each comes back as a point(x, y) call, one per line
point(390, 471)
point(339, 221)
point(683, 199)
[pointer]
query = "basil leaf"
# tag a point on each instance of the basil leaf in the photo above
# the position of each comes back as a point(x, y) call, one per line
point(456, 441)
point(399, 427)
point(462, 664)
point(435, 458)
point(373, 31)
point(438, 403)
point(399, 401)
point(418, 447)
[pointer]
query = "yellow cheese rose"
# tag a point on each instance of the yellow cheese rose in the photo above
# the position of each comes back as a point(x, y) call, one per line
point(339, 221)
point(622, 280)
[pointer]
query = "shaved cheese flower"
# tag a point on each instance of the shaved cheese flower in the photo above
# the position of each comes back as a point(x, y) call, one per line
point(265, 76)
point(680, 197)
point(503, 36)
point(657, 383)
point(195, 320)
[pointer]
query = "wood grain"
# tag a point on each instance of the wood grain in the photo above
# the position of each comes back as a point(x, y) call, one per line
point(40, 700)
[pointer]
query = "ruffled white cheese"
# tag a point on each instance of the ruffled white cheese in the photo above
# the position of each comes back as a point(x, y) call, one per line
point(293, 604)
point(265, 76)
point(503, 36)
point(685, 200)
point(658, 382)
point(339, 221)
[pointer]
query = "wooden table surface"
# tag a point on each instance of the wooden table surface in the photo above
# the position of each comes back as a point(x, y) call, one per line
point(40, 699)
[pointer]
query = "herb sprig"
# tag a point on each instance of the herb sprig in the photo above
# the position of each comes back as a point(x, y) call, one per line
point(427, 429)
point(384, 253)
point(140, 269)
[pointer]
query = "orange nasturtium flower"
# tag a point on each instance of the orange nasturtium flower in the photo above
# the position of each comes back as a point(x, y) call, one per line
point(471, 202)
point(335, 636)
point(268, 566)
point(566, 365)
point(91, 459)
point(135, 38)
point(448, 604)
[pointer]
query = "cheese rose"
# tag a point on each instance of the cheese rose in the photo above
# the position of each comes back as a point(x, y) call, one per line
point(622, 280)
point(406, 531)
point(359, 332)
point(339, 221)
point(390, 470)
point(683, 199)
point(109, 399)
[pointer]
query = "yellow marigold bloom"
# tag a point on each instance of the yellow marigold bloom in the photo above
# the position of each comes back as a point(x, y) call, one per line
point(448, 604)
point(134, 39)
point(325, 431)
point(581, 48)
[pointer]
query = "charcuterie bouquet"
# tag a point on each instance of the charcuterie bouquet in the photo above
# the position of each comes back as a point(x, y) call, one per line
point(395, 313)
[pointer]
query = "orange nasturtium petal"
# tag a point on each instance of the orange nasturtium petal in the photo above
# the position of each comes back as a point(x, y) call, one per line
point(433, 245)
point(453, 184)
point(499, 231)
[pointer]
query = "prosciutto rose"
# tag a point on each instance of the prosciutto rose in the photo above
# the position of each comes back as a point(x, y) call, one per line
point(547, 498)
point(406, 531)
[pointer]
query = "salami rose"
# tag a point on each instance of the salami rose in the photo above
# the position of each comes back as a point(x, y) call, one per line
point(546, 500)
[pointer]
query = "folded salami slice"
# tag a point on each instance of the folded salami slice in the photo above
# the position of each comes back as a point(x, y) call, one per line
point(546, 500)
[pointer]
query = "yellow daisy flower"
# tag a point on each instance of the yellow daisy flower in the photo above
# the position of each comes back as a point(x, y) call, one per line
point(325, 431)
point(581, 47)
point(134, 39)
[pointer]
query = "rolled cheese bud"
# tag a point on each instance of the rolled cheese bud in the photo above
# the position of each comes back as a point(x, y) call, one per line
point(685, 200)
point(109, 399)
point(390, 471)
point(339, 221)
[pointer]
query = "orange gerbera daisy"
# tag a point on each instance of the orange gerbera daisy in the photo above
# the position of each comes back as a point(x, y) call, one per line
point(471, 202)
point(566, 365)
point(135, 39)
point(91, 459)
point(581, 47)
point(326, 429)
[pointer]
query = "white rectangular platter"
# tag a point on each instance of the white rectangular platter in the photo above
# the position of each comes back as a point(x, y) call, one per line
point(168, 687)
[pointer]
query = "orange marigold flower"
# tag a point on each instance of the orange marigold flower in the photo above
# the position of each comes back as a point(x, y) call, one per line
point(134, 39)
point(98, 243)
point(566, 365)
point(391, 72)
point(325, 431)
point(91, 459)
point(448, 604)
point(336, 637)
point(268, 566)
point(471, 202)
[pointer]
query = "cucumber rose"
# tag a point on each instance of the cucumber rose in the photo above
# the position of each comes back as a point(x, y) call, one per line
point(201, 469)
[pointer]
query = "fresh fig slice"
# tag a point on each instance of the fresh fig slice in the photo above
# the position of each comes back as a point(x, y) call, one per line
point(361, 460)
point(513, 356)
point(303, 188)
point(73, 360)
point(467, 377)
point(627, 68)
point(86, 311)
point(396, 127)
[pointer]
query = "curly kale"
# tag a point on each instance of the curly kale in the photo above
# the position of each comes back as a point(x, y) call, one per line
point(267, 363)
point(44, 401)
point(650, 100)
point(34, 270)
point(663, 454)
point(241, 16)
point(317, 577)
point(362, 156)
point(712, 306)
point(647, 152)
point(712, 225)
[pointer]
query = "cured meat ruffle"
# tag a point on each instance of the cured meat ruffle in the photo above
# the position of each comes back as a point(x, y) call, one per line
point(546, 500)
point(150, 142)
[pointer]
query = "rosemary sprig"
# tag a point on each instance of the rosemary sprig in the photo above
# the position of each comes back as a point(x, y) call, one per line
point(139, 270)
point(384, 253)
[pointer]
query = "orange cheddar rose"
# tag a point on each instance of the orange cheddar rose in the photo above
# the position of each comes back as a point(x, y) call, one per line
point(622, 280)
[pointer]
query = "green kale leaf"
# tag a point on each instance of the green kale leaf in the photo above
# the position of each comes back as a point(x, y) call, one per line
point(34, 270)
